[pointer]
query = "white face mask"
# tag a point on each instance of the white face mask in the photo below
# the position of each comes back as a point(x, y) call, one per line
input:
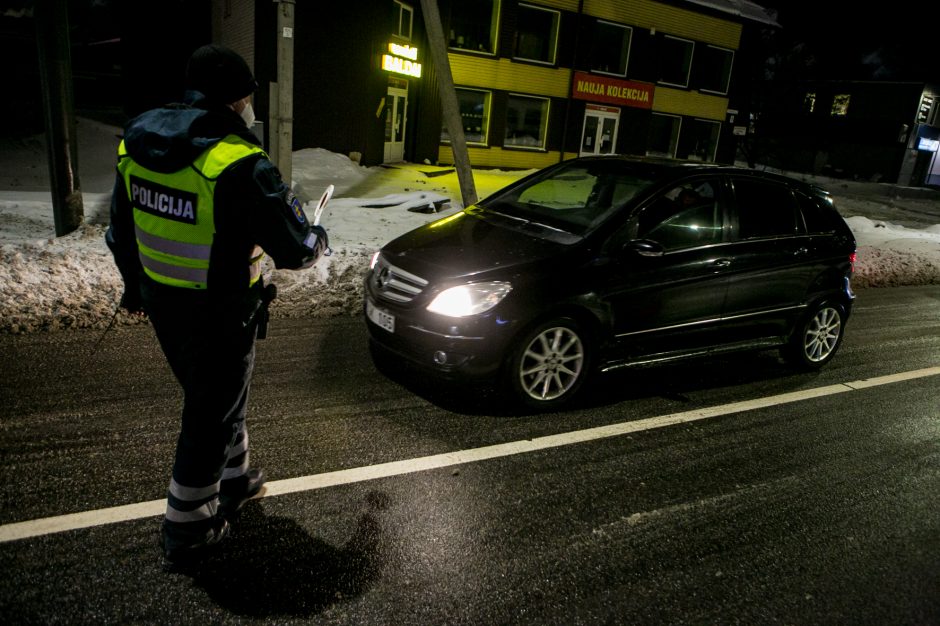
point(248, 114)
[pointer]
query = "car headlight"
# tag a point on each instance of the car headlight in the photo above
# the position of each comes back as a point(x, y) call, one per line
point(471, 299)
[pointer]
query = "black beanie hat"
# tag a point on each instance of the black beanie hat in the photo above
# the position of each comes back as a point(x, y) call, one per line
point(220, 74)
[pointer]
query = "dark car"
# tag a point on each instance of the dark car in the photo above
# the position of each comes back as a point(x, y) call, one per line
point(600, 263)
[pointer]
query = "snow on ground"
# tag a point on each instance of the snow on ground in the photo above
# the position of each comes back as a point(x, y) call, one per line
point(50, 283)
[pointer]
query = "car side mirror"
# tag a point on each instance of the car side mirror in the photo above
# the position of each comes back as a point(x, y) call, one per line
point(644, 247)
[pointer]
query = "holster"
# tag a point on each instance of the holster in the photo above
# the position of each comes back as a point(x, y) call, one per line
point(268, 294)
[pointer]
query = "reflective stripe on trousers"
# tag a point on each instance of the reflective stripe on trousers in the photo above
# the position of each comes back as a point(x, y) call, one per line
point(191, 504)
point(195, 504)
point(237, 464)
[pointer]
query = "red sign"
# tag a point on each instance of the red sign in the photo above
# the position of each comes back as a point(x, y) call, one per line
point(611, 90)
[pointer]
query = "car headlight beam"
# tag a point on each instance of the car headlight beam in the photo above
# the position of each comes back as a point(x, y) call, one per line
point(470, 299)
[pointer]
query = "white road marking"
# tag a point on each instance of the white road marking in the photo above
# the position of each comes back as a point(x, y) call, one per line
point(140, 510)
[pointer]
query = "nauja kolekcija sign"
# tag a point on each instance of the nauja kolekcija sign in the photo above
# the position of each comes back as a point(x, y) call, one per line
point(612, 90)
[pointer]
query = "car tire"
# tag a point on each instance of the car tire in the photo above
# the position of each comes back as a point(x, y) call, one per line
point(816, 337)
point(549, 364)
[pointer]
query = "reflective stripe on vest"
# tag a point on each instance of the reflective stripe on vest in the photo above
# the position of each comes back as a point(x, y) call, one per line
point(174, 214)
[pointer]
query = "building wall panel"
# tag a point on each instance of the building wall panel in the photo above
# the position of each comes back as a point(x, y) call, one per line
point(563, 5)
point(681, 102)
point(489, 73)
point(510, 159)
point(236, 23)
point(667, 19)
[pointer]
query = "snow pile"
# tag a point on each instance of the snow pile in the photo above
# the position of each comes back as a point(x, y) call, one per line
point(891, 256)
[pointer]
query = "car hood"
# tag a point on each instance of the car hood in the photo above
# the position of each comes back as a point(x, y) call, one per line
point(475, 243)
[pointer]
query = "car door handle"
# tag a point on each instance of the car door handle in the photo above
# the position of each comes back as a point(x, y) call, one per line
point(723, 262)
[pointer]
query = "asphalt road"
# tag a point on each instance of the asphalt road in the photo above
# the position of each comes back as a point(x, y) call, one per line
point(395, 501)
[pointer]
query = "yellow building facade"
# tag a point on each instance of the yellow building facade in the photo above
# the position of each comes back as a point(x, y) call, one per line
point(554, 79)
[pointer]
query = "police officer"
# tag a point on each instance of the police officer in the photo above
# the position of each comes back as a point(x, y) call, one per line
point(196, 206)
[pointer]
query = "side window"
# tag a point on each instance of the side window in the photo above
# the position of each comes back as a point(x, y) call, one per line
point(765, 209)
point(686, 216)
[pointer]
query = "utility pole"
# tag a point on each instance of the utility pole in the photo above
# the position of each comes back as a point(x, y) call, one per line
point(55, 69)
point(449, 106)
point(284, 123)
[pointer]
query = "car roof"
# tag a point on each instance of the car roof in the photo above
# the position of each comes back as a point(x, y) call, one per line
point(678, 168)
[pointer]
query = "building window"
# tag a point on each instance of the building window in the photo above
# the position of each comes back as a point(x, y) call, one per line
point(537, 34)
point(809, 102)
point(714, 67)
point(526, 121)
point(663, 135)
point(474, 106)
point(403, 19)
point(704, 140)
point(840, 104)
point(473, 25)
point(675, 60)
point(610, 48)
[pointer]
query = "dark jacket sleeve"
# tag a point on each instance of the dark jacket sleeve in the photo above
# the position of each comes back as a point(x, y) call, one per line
point(275, 217)
point(122, 241)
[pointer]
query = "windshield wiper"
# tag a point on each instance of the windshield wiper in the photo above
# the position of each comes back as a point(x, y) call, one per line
point(528, 222)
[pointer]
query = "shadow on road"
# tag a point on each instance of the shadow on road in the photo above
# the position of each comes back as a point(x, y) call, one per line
point(676, 381)
point(272, 567)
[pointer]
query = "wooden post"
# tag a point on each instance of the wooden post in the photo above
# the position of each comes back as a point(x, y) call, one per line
point(55, 69)
point(449, 106)
point(285, 89)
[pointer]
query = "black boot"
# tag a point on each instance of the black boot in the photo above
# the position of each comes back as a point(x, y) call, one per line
point(235, 492)
point(186, 544)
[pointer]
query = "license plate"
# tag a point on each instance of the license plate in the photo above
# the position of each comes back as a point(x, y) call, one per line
point(380, 317)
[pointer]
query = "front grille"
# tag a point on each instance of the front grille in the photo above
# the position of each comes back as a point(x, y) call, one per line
point(395, 284)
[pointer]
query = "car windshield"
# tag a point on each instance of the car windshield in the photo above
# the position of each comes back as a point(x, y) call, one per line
point(576, 196)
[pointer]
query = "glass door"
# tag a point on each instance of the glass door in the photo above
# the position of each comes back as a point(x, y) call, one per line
point(396, 104)
point(600, 130)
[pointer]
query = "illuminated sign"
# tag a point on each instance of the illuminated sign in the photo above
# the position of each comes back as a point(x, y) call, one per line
point(613, 91)
point(928, 144)
point(403, 51)
point(402, 60)
point(600, 109)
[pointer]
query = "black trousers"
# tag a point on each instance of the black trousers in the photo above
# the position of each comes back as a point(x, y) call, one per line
point(212, 355)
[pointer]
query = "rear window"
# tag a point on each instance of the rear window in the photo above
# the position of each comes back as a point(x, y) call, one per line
point(816, 214)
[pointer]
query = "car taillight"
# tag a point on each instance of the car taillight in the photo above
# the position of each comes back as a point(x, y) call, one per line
point(852, 259)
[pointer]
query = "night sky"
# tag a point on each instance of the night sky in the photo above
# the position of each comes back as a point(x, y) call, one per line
point(825, 39)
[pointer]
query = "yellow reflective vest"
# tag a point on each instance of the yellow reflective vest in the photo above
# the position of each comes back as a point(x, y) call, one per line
point(174, 214)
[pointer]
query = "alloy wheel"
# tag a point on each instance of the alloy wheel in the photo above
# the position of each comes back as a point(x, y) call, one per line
point(822, 334)
point(552, 363)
